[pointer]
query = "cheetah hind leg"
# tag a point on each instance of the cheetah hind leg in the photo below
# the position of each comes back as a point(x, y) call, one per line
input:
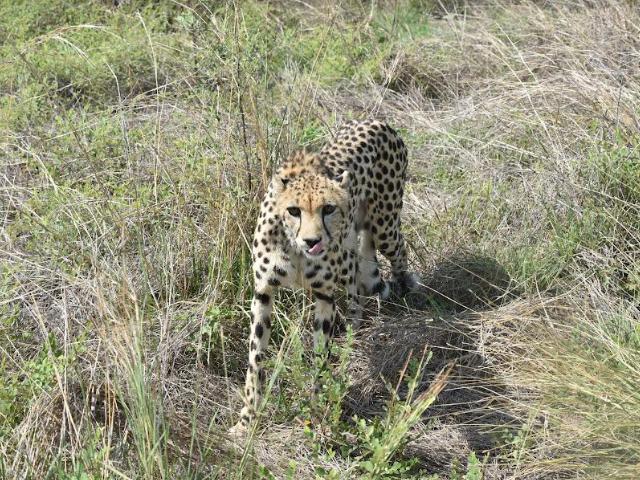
point(395, 251)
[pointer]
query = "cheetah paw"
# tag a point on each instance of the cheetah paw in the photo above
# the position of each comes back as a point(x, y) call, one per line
point(239, 430)
point(385, 292)
point(405, 282)
point(409, 281)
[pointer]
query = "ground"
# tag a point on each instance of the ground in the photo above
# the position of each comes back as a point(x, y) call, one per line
point(136, 141)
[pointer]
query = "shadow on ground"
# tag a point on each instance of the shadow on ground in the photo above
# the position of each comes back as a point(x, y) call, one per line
point(456, 284)
point(441, 315)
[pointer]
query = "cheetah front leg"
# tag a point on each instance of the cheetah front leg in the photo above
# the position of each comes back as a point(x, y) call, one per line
point(323, 317)
point(324, 314)
point(369, 278)
point(261, 307)
point(350, 279)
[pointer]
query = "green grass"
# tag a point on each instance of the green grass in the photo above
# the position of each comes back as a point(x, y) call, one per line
point(136, 142)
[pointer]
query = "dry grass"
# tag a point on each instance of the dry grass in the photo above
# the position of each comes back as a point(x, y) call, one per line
point(133, 156)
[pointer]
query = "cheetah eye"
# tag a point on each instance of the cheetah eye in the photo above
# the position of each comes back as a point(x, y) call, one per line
point(294, 211)
point(328, 209)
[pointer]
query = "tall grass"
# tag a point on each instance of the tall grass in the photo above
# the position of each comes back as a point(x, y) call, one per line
point(136, 141)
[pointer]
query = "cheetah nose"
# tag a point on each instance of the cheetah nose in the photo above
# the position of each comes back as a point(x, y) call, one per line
point(311, 242)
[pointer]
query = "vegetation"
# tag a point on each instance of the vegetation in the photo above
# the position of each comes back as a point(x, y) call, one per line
point(136, 139)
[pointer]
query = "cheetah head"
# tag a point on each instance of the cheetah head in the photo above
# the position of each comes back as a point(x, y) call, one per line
point(314, 210)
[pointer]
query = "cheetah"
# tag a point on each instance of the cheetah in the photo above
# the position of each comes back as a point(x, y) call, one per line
point(322, 220)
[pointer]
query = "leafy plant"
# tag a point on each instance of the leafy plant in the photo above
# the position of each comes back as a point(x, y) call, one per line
point(381, 439)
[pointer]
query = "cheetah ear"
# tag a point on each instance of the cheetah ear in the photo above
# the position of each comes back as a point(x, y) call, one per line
point(280, 183)
point(344, 179)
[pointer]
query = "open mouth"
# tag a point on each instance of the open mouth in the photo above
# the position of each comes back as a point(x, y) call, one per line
point(317, 249)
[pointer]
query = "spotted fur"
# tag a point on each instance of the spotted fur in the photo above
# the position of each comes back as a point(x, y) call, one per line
point(322, 220)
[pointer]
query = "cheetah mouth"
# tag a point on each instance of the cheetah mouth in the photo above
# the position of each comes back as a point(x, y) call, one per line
point(317, 249)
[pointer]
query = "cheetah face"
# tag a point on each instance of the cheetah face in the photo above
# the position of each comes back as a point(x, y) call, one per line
point(314, 211)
